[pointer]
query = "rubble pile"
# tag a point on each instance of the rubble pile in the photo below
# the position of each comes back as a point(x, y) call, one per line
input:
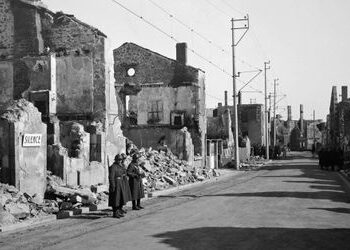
point(69, 197)
point(16, 206)
point(253, 163)
point(164, 169)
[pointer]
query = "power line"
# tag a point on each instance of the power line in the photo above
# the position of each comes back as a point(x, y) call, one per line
point(191, 29)
point(171, 37)
point(176, 40)
point(238, 11)
point(200, 35)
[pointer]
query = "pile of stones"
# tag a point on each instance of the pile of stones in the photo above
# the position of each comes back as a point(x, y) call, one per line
point(164, 169)
point(16, 206)
point(71, 197)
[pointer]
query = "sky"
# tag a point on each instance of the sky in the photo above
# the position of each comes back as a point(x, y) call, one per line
point(306, 42)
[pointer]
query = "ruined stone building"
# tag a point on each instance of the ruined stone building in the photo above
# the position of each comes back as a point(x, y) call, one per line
point(59, 64)
point(158, 96)
point(250, 121)
point(338, 122)
point(220, 141)
point(298, 134)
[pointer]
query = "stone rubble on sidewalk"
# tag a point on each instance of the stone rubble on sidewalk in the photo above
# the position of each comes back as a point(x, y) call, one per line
point(164, 169)
point(253, 163)
point(16, 206)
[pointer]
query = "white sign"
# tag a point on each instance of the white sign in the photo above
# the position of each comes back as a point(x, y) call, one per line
point(32, 140)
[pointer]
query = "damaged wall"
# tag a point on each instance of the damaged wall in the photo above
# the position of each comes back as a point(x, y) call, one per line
point(178, 141)
point(6, 29)
point(159, 85)
point(75, 90)
point(55, 53)
point(23, 162)
point(6, 82)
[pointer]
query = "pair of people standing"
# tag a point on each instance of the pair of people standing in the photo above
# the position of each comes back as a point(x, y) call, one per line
point(125, 184)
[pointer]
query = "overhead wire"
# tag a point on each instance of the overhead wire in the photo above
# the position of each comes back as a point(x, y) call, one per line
point(171, 37)
point(176, 40)
point(200, 35)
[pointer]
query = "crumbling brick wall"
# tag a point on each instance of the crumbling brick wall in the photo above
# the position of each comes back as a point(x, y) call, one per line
point(27, 27)
point(68, 34)
point(6, 29)
point(150, 67)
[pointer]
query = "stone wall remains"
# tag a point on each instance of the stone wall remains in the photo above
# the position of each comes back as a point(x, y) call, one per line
point(6, 29)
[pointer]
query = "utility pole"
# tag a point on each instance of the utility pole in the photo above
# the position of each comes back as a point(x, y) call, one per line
point(243, 24)
point(267, 144)
point(274, 110)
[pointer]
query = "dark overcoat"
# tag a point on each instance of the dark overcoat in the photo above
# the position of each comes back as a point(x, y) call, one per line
point(126, 185)
point(135, 181)
point(117, 192)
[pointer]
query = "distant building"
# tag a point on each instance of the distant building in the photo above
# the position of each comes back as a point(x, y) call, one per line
point(250, 121)
point(338, 122)
point(158, 96)
point(220, 141)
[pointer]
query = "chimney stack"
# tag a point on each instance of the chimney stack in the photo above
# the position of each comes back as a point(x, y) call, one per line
point(220, 104)
point(225, 98)
point(181, 53)
point(344, 93)
point(289, 108)
point(239, 98)
point(302, 119)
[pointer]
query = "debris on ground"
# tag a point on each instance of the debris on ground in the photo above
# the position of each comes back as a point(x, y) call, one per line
point(164, 169)
point(16, 206)
point(253, 163)
point(69, 197)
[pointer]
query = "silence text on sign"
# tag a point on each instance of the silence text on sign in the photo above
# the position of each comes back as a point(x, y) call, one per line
point(32, 140)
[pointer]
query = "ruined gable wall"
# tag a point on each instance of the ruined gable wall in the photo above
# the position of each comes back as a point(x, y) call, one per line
point(149, 67)
point(67, 34)
point(6, 28)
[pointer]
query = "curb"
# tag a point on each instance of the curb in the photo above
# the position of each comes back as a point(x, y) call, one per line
point(345, 180)
point(29, 223)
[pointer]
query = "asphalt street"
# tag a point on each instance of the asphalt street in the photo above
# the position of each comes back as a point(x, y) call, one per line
point(290, 204)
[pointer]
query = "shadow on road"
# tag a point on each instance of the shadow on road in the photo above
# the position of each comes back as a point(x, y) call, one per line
point(334, 209)
point(256, 238)
point(321, 195)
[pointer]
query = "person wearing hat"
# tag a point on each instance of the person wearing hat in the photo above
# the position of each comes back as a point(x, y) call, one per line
point(117, 194)
point(125, 182)
point(135, 182)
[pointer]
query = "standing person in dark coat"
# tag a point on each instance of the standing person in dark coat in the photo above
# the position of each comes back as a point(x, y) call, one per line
point(321, 158)
point(117, 192)
point(125, 181)
point(135, 182)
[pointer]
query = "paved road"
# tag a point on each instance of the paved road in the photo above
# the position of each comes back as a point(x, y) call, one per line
point(290, 205)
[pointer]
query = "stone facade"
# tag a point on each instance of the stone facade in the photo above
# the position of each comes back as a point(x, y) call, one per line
point(6, 29)
point(338, 123)
point(59, 63)
point(156, 93)
point(250, 121)
point(23, 164)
